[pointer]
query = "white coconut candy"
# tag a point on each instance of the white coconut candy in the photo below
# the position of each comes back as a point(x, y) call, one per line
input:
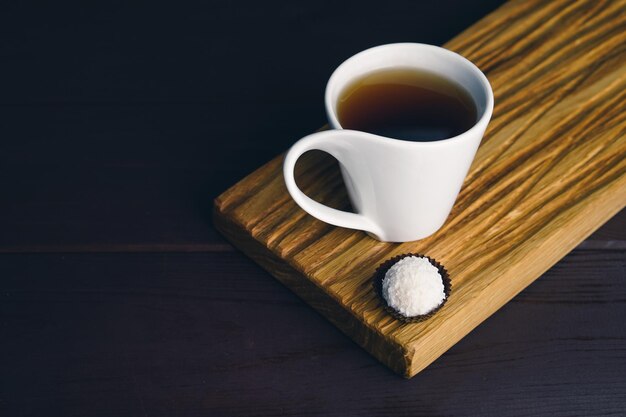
point(413, 286)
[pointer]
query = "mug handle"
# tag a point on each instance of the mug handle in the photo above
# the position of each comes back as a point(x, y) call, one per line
point(330, 141)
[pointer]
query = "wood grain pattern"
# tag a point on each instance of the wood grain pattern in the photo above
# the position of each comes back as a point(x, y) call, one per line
point(550, 170)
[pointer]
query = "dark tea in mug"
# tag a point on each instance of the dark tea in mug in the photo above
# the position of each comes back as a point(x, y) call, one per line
point(407, 104)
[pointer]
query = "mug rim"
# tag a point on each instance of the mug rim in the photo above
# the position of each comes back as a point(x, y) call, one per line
point(481, 123)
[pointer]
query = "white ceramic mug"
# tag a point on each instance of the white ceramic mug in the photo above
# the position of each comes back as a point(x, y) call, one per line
point(401, 190)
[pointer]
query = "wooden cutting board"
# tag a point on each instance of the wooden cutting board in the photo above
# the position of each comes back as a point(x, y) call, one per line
point(550, 170)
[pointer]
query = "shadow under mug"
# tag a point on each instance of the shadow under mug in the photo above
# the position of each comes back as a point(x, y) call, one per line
point(401, 190)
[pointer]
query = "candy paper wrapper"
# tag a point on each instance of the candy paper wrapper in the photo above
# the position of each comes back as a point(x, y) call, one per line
point(379, 275)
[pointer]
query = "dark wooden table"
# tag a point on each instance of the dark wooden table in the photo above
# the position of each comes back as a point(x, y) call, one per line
point(119, 124)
